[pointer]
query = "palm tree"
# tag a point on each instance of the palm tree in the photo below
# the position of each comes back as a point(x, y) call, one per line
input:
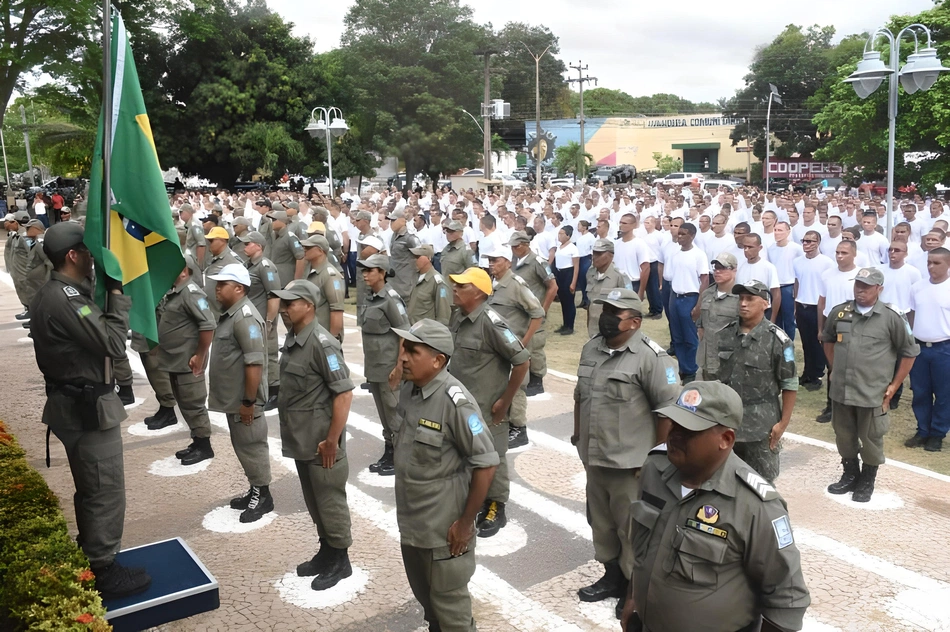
point(569, 157)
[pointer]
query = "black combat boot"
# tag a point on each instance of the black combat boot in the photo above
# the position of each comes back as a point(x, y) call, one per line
point(622, 600)
point(201, 451)
point(336, 568)
point(241, 502)
point(865, 487)
point(386, 465)
point(162, 419)
point(493, 521)
point(517, 437)
point(260, 503)
point(315, 565)
point(116, 581)
point(24, 315)
point(610, 585)
point(848, 480)
point(535, 385)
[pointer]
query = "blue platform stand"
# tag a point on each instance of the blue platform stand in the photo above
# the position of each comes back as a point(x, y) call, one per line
point(181, 587)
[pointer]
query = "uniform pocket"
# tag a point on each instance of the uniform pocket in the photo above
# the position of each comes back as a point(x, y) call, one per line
point(880, 423)
point(619, 386)
point(451, 573)
point(427, 448)
point(696, 556)
point(101, 457)
point(643, 518)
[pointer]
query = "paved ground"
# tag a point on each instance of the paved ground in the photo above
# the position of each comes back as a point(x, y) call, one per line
point(882, 567)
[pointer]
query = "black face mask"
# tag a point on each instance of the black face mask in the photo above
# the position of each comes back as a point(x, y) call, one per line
point(609, 325)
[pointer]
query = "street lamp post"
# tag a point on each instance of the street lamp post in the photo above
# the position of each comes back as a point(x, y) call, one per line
point(773, 96)
point(330, 130)
point(919, 73)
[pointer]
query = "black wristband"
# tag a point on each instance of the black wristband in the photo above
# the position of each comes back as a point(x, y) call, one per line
point(247, 402)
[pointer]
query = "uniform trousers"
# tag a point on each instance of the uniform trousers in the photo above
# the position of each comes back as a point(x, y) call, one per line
point(760, 457)
point(324, 491)
point(498, 491)
point(584, 266)
point(250, 446)
point(683, 331)
point(191, 393)
point(928, 381)
point(385, 400)
point(610, 492)
point(539, 361)
point(158, 380)
point(440, 584)
point(95, 461)
point(565, 296)
point(665, 294)
point(518, 413)
point(859, 430)
point(786, 316)
point(273, 360)
point(807, 320)
point(653, 289)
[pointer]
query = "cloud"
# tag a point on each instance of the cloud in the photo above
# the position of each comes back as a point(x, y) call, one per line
point(697, 50)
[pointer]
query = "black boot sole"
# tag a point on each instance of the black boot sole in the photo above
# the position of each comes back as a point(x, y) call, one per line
point(197, 456)
point(322, 582)
point(253, 515)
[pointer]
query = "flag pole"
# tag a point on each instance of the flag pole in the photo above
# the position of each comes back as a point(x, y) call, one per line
point(106, 144)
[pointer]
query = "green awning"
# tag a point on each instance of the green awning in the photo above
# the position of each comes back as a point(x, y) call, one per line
point(695, 145)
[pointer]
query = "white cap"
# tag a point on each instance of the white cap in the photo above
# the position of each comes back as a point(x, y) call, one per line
point(9, 217)
point(500, 251)
point(233, 272)
point(374, 241)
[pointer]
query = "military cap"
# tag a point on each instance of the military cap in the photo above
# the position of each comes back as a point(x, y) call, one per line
point(192, 266)
point(500, 252)
point(475, 276)
point(373, 242)
point(293, 205)
point(263, 202)
point(186, 208)
point(454, 225)
point(217, 233)
point(241, 221)
point(375, 261)
point(423, 250)
point(320, 211)
point(603, 245)
point(726, 260)
point(396, 214)
point(35, 223)
point(62, 237)
point(755, 288)
point(867, 276)
point(519, 237)
point(253, 237)
point(702, 405)
point(22, 217)
point(621, 298)
point(278, 216)
point(276, 206)
point(233, 272)
point(299, 288)
point(316, 240)
point(317, 227)
point(430, 333)
point(363, 216)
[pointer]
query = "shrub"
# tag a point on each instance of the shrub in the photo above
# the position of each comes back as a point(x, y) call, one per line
point(45, 581)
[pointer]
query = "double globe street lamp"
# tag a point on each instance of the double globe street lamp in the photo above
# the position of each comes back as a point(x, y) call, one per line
point(920, 72)
point(330, 130)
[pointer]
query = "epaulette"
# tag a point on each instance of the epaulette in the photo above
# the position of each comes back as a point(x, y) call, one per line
point(756, 483)
point(246, 310)
point(495, 318)
point(779, 333)
point(394, 293)
point(457, 395)
point(70, 291)
point(265, 263)
point(323, 339)
point(657, 349)
point(658, 450)
point(894, 309)
point(520, 280)
point(194, 289)
point(333, 271)
point(438, 278)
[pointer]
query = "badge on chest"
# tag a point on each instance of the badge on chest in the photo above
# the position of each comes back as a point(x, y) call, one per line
point(431, 425)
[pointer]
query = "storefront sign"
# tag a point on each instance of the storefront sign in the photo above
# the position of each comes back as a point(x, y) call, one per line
point(797, 169)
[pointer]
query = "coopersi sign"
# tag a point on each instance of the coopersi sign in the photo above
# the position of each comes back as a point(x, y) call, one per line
point(797, 169)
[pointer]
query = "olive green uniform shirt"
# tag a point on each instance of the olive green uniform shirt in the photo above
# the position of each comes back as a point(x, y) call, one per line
point(618, 390)
point(512, 299)
point(195, 237)
point(266, 228)
point(715, 312)
point(312, 374)
point(430, 298)
point(38, 269)
point(238, 341)
point(237, 247)
point(485, 351)
point(717, 559)
point(285, 253)
point(72, 338)
point(361, 290)
point(403, 262)
point(456, 258)
point(440, 438)
point(332, 291)
point(185, 313)
point(758, 365)
point(536, 273)
point(215, 264)
point(597, 285)
point(383, 312)
point(264, 280)
point(867, 346)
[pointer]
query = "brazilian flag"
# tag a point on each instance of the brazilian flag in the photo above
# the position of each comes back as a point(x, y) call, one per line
point(143, 246)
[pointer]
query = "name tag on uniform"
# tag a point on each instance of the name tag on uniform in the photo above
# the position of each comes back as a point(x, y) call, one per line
point(431, 425)
point(707, 528)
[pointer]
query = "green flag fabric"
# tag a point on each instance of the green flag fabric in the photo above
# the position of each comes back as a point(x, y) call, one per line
point(143, 249)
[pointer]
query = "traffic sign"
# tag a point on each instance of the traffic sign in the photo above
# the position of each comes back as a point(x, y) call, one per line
point(742, 150)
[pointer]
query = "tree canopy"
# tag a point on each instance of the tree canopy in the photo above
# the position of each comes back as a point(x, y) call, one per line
point(608, 102)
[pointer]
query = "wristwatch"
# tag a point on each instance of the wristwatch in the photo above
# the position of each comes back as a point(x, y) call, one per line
point(247, 402)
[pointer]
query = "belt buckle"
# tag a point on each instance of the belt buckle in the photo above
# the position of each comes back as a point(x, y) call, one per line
point(929, 344)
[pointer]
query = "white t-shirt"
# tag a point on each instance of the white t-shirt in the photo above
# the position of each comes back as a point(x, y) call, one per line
point(585, 243)
point(782, 257)
point(715, 246)
point(808, 274)
point(828, 245)
point(487, 244)
point(630, 255)
point(564, 256)
point(762, 271)
point(931, 305)
point(875, 246)
point(799, 230)
point(919, 261)
point(39, 208)
point(897, 285)
point(837, 287)
point(542, 243)
point(667, 253)
point(684, 269)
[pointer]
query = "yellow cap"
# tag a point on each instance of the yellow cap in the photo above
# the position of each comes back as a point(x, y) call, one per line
point(317, 227)
point(217, 233)
point(477, 277)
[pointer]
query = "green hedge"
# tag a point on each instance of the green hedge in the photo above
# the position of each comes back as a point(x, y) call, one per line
point(45, 581)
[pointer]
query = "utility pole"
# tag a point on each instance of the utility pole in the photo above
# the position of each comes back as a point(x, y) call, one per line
point(773, 96)
point(537, 110)
point(26, 139)
point(748, 153)
point(486, 116)
point(580, 81)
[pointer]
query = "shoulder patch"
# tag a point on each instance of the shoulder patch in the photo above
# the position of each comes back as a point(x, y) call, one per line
point(70, 291)
point(246, 310)
point(458, 397)
point(783, 532)
point(657, 349)
point(759, 485)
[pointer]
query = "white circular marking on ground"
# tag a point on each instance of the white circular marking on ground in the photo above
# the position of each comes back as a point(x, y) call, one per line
point(141, 430)
point(25, 340)
point(540, 397)
point(879, 501)
point(375, 480)
point(602, 613)
point(138, 402)
point(579, 480)
point(297, 590)
point(172, 466)
point(810, 624)
point(924, 607)
point(227, 520)
point(509, 539)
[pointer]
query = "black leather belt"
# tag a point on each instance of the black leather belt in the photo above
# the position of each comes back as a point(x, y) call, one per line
point(932, 344)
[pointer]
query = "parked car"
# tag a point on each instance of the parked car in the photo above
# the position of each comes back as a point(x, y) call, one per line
point(521, 173)
point(712, 185)
point(683, 178)
point(511, 182)
point(568, 182)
